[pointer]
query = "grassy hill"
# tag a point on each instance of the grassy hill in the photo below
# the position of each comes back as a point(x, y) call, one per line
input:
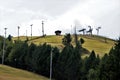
point(100, 45)
point(9, 73)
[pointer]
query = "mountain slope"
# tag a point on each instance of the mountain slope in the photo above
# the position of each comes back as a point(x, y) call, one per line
point(99, 44)
point(9, 73)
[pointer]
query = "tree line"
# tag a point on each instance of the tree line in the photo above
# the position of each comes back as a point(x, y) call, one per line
point(67, 63)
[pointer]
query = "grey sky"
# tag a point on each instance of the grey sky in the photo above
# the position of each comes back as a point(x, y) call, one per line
point(60, 14)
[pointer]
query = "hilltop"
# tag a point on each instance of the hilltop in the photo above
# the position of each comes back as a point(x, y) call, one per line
point(99, 44)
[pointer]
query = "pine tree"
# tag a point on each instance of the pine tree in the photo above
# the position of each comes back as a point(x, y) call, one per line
point(9, 37)
point(67, 39)
point(56, 54)
point(69, 63)
point(114, 59)
point(17, 55)
point(110, 65)
point(91, 61)
point(82, 40)
point(103, 69)
point(93, 75)
point(41, 59)
point(28, 57)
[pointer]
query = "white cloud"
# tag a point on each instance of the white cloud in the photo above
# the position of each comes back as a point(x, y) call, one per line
point(60, 14)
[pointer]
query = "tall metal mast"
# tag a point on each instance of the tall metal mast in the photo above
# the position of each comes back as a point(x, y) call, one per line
point(31, 30)
point(4, 46)
point(43, 28)
point(18, 32)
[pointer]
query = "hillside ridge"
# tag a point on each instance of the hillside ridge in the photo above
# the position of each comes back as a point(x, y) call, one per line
point(99, 44)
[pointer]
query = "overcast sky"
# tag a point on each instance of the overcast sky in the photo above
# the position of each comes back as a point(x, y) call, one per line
point(60, 15)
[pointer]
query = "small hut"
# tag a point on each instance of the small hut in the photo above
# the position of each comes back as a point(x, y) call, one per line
point(58, 32)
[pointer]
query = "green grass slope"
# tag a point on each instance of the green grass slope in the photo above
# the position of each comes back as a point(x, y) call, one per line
point(100, 45)
point(96, 43)
point(9, 73)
